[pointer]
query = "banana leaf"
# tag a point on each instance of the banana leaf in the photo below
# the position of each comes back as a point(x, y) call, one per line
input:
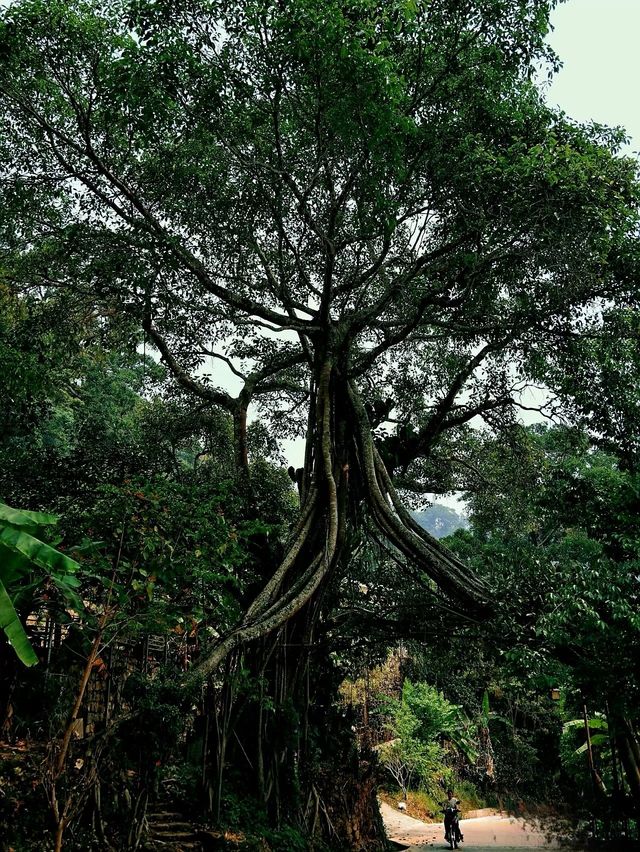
point(37, 551)
point(596, 740)
point(595, 723)
point(15, 632)
point(14, 566)
point(20, 552)
point(24, 519)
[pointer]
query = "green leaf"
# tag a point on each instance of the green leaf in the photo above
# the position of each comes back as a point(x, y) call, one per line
point(15, 632)
point(66, 587)
point(596, 740)
point(24, 519)
point(596, 723)
point(37, 551)
point(13, 565)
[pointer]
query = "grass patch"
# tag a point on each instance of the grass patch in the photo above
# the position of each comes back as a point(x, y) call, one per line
point(420, 805)
point(424, 806)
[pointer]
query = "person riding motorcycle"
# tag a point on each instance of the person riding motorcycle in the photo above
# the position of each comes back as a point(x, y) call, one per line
point(452, 833)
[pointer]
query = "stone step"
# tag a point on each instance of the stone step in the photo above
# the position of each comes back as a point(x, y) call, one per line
point(173, 834)
point(153, 814)
point(169, 830)
point(162, 818)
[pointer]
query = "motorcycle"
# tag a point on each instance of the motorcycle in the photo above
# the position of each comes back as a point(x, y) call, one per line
point(452, 833)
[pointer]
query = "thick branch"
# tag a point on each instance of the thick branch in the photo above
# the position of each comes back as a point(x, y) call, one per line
point(217, 397)
point(405, 449)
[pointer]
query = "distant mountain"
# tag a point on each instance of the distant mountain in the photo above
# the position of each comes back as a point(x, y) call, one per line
point(440, 520)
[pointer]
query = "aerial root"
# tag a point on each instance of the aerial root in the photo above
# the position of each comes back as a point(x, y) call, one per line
point(271, 608)
point(265, 598)
point(403, 531)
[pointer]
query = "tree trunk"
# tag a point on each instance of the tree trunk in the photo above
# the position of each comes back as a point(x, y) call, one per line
point(629, 757)
point(221, 716)
point(343, 476)
point(59, 832)
point(240, 438)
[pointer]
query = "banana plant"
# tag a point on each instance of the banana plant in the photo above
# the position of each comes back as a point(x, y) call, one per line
point(24, 555)
point(596, 723)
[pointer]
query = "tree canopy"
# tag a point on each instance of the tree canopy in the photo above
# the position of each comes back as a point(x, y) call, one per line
point(364, 213)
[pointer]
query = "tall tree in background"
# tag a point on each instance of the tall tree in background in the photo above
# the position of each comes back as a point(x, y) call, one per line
point(363, 212)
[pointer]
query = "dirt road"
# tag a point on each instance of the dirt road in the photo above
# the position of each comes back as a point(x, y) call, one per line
point(480, 835)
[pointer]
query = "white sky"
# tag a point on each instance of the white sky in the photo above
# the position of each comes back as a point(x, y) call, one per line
point(598, 44)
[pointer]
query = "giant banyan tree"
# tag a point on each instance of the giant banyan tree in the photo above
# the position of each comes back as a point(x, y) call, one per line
point(363, 215)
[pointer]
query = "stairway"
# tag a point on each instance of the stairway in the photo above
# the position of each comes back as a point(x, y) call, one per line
point(170, 831)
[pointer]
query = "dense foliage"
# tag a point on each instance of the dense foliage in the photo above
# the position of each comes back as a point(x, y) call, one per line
point(552, 526)
point(224, 225)
point(328, 200)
